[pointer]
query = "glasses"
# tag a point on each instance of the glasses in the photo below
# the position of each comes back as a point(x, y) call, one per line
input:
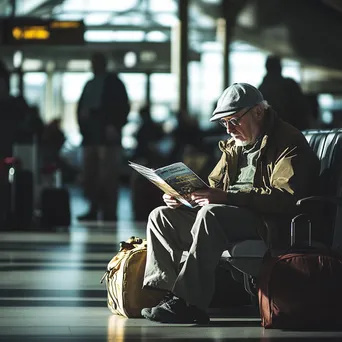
point(233, 121)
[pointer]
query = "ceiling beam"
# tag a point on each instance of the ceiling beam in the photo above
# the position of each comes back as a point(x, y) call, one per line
point(41, 7)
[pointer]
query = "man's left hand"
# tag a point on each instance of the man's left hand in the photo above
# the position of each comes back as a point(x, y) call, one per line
point(209, 196)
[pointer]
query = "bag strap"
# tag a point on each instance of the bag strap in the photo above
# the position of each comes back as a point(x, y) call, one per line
point(132, 242)
point(125, 247)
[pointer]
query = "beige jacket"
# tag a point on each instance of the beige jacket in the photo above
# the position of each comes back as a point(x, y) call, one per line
point(287, 170)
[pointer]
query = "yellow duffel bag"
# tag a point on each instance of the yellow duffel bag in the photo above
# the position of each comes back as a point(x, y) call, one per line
point(124, 280)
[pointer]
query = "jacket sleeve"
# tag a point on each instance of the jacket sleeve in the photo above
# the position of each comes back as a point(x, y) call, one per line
point(293, 175)
point(215, 178)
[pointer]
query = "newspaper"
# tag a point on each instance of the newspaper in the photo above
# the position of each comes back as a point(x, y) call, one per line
point(176, 180)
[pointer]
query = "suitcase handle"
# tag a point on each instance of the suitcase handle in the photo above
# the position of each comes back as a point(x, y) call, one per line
point(293, 229)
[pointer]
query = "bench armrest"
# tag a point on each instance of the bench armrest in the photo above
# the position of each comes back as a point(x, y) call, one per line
point(323, 199)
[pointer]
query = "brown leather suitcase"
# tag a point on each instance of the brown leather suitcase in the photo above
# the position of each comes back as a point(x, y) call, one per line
point(301, 289)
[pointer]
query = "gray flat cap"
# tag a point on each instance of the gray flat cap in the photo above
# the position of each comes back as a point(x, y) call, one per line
point(234, 98)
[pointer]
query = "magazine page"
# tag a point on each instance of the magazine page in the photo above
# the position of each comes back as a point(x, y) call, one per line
point(151, 175)
point(182, 179)
point(176, 180)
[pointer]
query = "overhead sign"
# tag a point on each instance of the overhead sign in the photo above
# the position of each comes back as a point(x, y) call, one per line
point(24, 31)
point(30, 33)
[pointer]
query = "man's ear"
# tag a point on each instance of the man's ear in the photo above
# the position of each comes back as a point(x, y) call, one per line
point(259, 113)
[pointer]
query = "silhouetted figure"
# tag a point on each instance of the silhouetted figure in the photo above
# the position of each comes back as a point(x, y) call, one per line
point(187, 133)
point(147, 153)
point(36, 122)
point(9, 114)
point(102, 112)
point(285, 95)
point(30, 125)
point(148, 136)
point(315, 110)
point(52, 141)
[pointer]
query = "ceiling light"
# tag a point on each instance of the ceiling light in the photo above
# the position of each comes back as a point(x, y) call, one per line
point(78, 64)
point(32, 64)
point(165, 19)
point(35, 78)
point(98, 36)
point(98, 5)
point(156, 36)
point(69, 16)
point(97, 18)
point(128, 36)
point(135, 20)
point(211, 47)
point(163, 6)
point(130, 59)
point(148, 56)
point(17, 59)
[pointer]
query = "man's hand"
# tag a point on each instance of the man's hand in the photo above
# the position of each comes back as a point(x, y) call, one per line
point(209, 196)
point(171, 202)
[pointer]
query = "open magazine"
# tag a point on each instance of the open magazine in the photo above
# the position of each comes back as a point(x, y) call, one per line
point(176, 180)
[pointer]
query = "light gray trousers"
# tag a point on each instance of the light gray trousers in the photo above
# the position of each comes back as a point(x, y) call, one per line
point(205, 233)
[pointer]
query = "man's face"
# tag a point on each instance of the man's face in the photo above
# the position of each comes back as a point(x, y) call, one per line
point(245, 126)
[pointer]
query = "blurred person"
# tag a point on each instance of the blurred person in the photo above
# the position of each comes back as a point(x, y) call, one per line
point(4, 81)
point(30, 125)
point(265, 167)
point(186, 133)
point(147, 152)
point(9, 114)
point(52, 140)
point(102, 112)
point(285, 95)
point(315, 110)
point(148, 136)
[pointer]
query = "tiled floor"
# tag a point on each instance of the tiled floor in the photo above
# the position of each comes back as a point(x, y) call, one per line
point(50, 291)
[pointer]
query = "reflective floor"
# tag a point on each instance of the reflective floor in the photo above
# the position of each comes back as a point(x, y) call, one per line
point(50, 291)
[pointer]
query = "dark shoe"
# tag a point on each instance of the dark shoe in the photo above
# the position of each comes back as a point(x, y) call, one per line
point(90, 216)
point(147, 311)
point(175, 310)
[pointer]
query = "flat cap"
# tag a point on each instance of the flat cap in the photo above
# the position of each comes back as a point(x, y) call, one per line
point(234, 98)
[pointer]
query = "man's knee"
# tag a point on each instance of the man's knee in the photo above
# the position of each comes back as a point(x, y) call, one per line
point(208, 210)
point(156, 213)
point(211, 215)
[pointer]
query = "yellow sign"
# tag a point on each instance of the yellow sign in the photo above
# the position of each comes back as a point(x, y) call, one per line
point(65, 24)
point(30, 33)
point(39, 31)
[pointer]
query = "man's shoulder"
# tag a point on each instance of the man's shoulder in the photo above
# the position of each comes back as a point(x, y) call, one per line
point(285, 133)
point(285, 126)
point(112, 76)
point(292, 85)
point(112, 79)
point(88, 82)
point(290, 137)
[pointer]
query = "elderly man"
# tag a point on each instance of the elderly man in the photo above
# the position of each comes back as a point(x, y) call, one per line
point(265, 167)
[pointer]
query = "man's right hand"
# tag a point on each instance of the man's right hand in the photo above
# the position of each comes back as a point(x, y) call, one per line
point(171, 202)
